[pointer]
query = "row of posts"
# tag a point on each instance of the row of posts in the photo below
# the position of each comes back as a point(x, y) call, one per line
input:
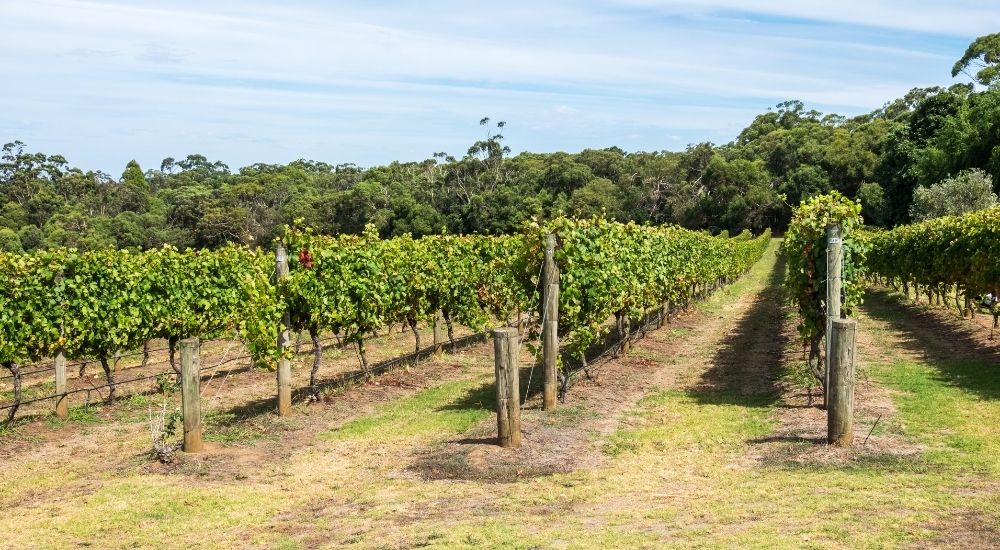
point(191, 367)
point(506, 351)
point(840, 368)
point(190, 391)
point(840, 373)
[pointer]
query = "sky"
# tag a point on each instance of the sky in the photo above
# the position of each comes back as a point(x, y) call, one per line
point(368, 82)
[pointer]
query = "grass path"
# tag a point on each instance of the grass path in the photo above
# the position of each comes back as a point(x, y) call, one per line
point(710, 443)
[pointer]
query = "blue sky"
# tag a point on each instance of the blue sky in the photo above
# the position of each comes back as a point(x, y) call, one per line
point(102, 82)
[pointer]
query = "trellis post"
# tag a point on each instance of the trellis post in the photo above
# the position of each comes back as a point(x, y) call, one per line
point(62, 403)
point(840, 413)
point(191, 394)
point(438, 335)
point(284, 338)
point(834, 281)
point(506, 359)
point(550, 324)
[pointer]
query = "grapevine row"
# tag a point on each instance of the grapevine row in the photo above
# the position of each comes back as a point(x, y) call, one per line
point(624, 270)
point(952, 251)
point(93, 304)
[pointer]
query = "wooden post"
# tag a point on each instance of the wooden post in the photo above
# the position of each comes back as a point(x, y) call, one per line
point(840, 412)
point(505, 350)
point(550, 326)
point(284, 338)
point(834, 266)
point(191, 394)
point(62, 403)
point(62, 400)
point(438, 335)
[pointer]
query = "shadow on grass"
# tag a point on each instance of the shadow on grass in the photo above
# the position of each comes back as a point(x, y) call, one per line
point(484, 397)
point(270, 404)
point(959, 358)
point(746, 368)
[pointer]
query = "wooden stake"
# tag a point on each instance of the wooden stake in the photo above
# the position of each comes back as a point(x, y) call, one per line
point(550, 328)
point(834, 265)
point(191, 394)
point(62, 401)
point(840, 412)
point(438, 335)
point(284, 339)
point(505, 349)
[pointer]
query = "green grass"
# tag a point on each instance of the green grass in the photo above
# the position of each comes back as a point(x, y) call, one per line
point(82, 414)
point(29, 392)
point(449, 408)
point(698, 443)
point(568, 415)
point(947, 408)
point(226, 427)
point(709, 421)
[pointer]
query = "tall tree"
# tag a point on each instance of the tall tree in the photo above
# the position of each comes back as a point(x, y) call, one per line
point(981, 60)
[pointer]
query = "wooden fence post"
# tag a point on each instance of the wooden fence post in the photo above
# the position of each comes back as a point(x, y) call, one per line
point(284, 338)
point(506, 357)
point(438, 335)
point(840, 412)
point(550, 326)
point(834, 266)
point(59, 366)
point(62, 403)
point(191, 394)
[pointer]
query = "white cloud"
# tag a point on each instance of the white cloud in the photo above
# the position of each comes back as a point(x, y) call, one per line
point(935, 16)
point(253, 81)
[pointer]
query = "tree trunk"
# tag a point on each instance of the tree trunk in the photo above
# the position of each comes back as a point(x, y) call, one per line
point(451, 328)
point(416, 333)
point(362, 356)
point(172, 346)
point(15, 371)
point(145, 354)
point(816, 364)
point(111, 379)
point(317, 358)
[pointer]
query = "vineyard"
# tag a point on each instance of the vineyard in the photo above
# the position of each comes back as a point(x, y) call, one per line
point(687, 364)
point(952, 257)
point(96, 306)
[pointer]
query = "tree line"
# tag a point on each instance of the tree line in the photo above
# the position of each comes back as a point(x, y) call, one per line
point(785, 155)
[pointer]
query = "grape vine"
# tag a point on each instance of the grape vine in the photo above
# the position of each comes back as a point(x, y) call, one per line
point(94, 304)
point(623, 270)
point(804, 253)
point(952, 251)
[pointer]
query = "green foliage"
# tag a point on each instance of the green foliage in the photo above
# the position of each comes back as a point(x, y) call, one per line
point(983, 57)
point(9, 240)
point(804, 252)
point(969, 191)
point(874, 208)
point(92, 304)
point(609, 268)
point(354, 285)
point(951, 250)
